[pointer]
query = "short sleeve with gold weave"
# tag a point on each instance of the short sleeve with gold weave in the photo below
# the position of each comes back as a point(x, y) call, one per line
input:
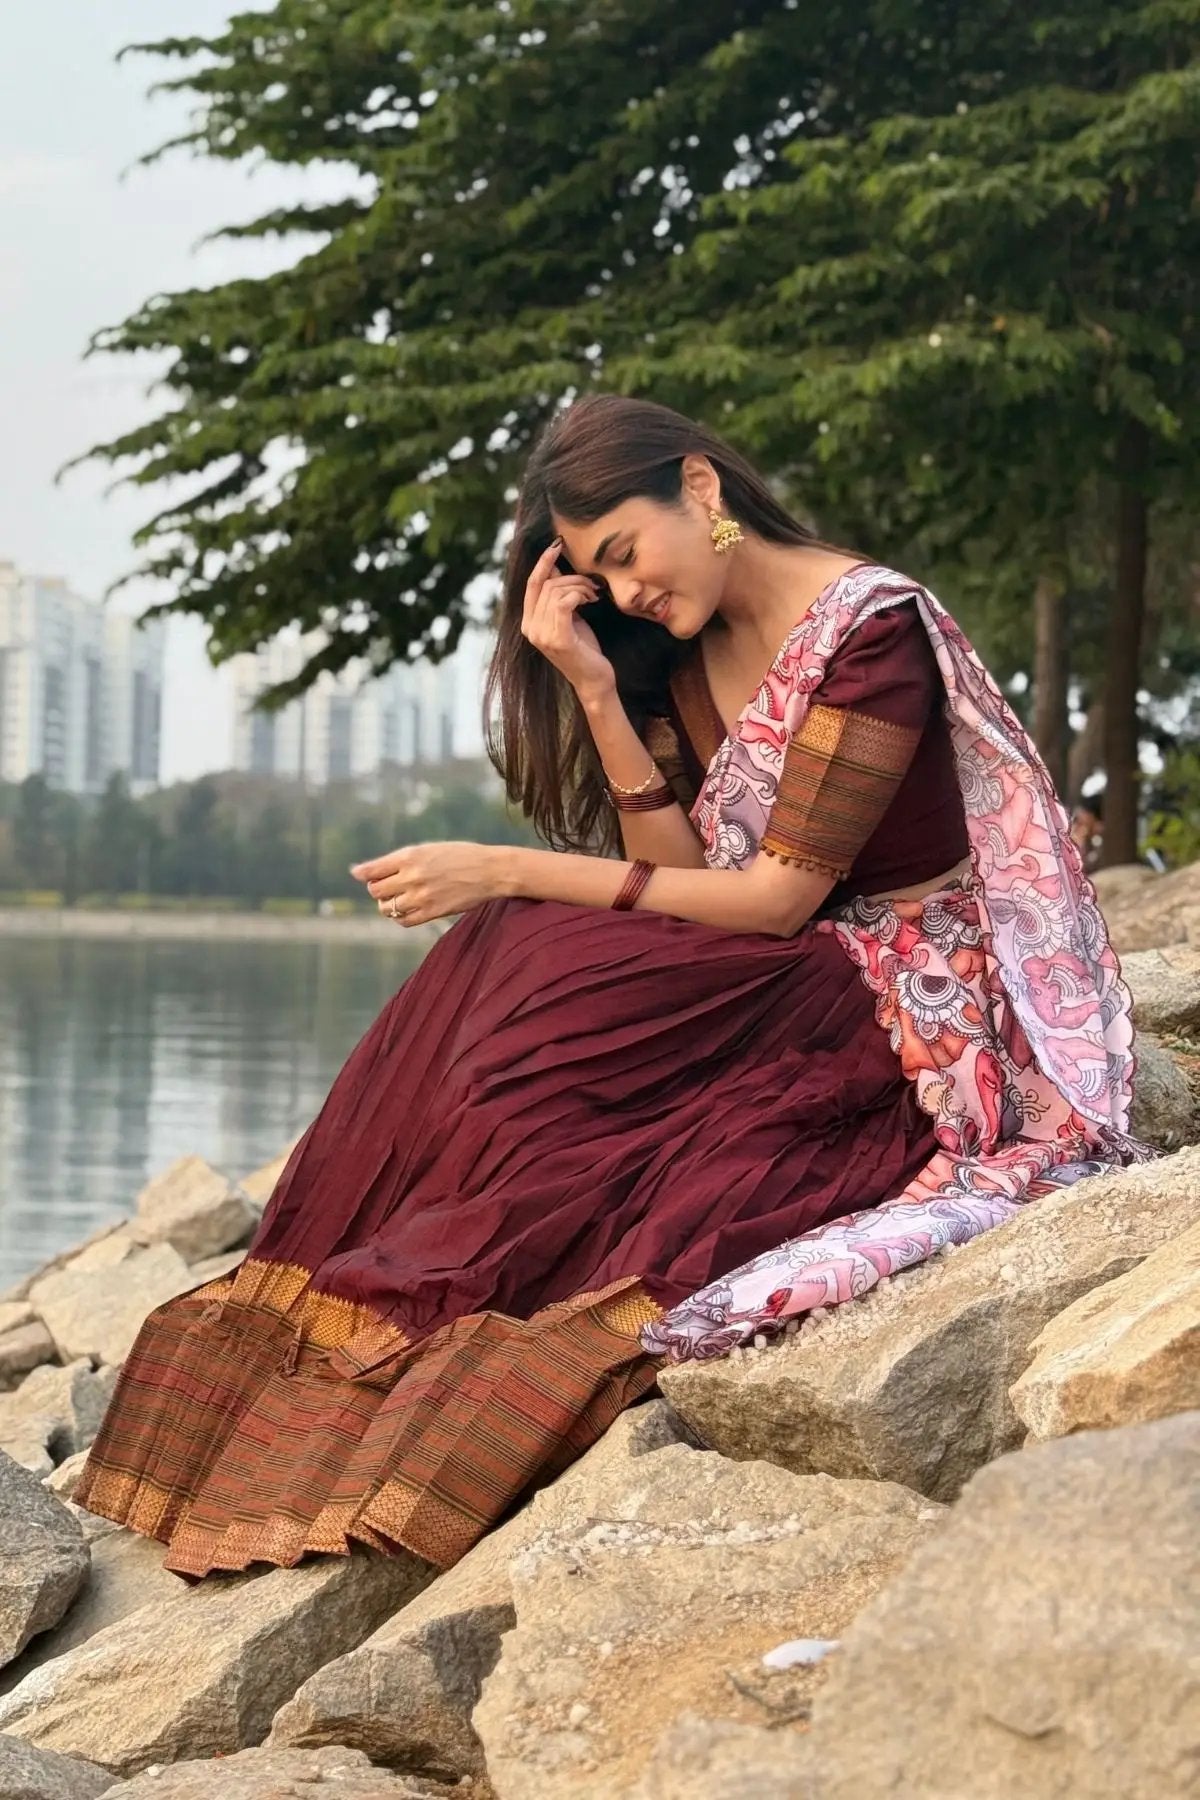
point(840, 773)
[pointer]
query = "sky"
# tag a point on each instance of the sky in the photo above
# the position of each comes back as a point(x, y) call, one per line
point(85, 237)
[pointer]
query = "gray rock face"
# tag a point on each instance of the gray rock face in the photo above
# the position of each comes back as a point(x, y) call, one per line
point(195, 1209)
point(203, 1673)
point(405, 1696)
point(98, 1312)
point(43, 1558)
point(29, 1774)
point(1044, 1643)
point(1165, 985)
point(1163, 1112)
point(273, 1775)
point(911, 1383)
point(126, 1573)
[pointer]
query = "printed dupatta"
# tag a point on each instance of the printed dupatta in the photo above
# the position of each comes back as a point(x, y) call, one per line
point(1002, 996)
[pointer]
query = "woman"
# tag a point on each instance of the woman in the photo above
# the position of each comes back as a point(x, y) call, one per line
point(842, 997)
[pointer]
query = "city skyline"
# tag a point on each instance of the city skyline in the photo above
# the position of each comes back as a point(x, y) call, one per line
point(88, 237)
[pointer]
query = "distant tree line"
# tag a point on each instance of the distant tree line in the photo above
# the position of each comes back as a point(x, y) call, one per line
point(246, 839)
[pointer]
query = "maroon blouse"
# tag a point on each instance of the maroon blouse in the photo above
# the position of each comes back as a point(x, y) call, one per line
point(868, 791)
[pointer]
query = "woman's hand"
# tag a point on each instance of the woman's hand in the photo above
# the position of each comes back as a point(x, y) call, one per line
point(429, 881)
point(550, 623)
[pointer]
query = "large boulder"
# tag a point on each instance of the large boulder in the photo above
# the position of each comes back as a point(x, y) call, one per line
point(1164, 1109)
point(406, 1694)
point(1151, 913)
point(98, 1312)
point(624, 1625)
point(1165, 985)
point(260, 1184)
point(202, 1673)
point(29, 1774)
point(59, 1407)
point(22, 1348)
point(910, 1384)
point(126, 1573)
point(195, 1209)
point(272, 1775)
point(117, 1229)
point(1044, 1642)
point(43, 1558)
point(1126, 1353)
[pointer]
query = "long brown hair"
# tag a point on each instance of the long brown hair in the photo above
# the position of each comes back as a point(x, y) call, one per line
point(599, 452)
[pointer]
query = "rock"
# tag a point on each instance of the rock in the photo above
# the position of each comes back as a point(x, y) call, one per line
point(1044, 1642)
point(625, 1624)
point(406, 1694)
point(13, 1314)
point(58, 1407)
point(273, 1775)
point(1126, 1353)
point(1163, 1112)
point(29, 1774)
point(213, 1267)
point(1147, 915)
point(99, 1312)
point(723, 1761)
point(28, 1442)
point(91, 1524)
point(259, 1186)
point(1165, 985)
point(106, 1251)
point(126, 1573)
point(911, 1382)
point(65, 1479)
point(25, 1347)
point(43, 1559)
point(195, 1209)
point(1122, 879)
point(22, 1289)
point(202, 1673)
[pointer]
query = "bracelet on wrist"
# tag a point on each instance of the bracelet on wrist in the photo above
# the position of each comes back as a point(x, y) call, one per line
point(615, 787)
point(633, 803)
point(633, 886)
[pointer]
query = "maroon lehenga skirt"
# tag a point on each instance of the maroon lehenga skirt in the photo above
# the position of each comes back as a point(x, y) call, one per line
point(567, 1120)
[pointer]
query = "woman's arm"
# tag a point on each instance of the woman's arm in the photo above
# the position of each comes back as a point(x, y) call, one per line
point(663, 836)
point(770, 896)
point(432, 881)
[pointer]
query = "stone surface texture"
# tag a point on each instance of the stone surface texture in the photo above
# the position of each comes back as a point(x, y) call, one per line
point(1165, 985)
point(711, 1759)
point(98, 1312)
point(204, 1672)
point(1126, 1353)
point(626, 1623)
point(29, 1774)
point(1150, 914)
point(339, 1774)
point(24, 1348)
point(63, 1406)
point(43, 1559)
point(1046, 1642)
point(1164, 1109)
point(911, 1383)
point(195, 1209)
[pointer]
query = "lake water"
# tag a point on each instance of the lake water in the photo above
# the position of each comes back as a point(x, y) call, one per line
point(117, 1057)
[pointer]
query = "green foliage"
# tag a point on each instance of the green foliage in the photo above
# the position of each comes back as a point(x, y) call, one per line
point(926, 262)
point(1173, 824)
point(227, 837)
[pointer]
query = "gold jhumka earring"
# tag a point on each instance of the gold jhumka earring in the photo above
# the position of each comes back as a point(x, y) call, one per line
point(725, 532)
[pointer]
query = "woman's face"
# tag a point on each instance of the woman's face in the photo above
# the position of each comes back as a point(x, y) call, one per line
point(657, 561)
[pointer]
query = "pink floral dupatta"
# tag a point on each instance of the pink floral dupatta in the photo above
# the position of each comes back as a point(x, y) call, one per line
point(1001, 995)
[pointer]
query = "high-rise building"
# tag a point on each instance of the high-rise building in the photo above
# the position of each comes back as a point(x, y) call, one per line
point(349, 726)
point(80, 687)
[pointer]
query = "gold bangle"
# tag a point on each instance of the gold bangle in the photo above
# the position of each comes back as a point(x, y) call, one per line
point(615, 786)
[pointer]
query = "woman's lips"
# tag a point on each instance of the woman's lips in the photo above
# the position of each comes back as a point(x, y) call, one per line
point(658, 612)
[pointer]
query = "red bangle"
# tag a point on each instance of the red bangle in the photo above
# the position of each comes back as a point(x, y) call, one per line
point(651, 802)
point(634, 883)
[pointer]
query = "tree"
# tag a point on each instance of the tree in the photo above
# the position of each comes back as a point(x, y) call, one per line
point(114, 842)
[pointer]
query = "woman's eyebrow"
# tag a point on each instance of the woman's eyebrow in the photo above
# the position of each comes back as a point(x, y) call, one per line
point(604, 546)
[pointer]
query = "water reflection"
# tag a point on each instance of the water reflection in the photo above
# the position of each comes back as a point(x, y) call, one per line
point(116, 1058)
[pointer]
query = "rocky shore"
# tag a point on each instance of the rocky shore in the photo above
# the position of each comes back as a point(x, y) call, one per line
point(943, 1543)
